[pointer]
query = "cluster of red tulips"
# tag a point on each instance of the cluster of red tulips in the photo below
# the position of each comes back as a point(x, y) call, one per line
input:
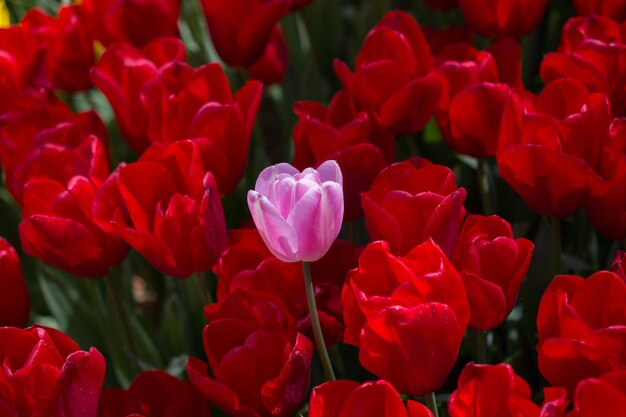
point(186, 248)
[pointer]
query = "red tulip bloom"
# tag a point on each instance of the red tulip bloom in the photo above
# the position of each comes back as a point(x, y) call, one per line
point(136, 22)
point(502, 18)
point(393, 76)
point(159, 99)
point(497, 391)
point(241, 29)
point(602, 396)
point(476, 83)
point(167, 207)
point(58, 227)
point(582, 328)
point(66, 45)
point(409, 203)
point(46, 374)
point(14, 300)
point(407, 315)
point(120, 75)
point(41, 137)
point(550, 156)
point(593, 51)
point(248, 264)
point(606, 206)
point(154, 394)
point(492, 264)
point(614, 9)
point(354, 139)
point(439, 39)
point(370, 399)
point(260, 366)
point(19, 63)
point(270, 67)
point(187, 103)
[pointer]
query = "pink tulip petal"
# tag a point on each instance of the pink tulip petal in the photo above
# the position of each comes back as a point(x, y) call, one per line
point(269, 174)
point(330, 171)
point(276, 232)
point(307, 218)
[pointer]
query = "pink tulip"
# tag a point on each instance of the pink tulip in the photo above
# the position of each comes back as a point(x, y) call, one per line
point(298, 214)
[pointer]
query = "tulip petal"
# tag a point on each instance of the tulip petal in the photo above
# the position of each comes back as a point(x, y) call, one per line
point(330, 171)
point(276, 232)
point(414, 348)
point(269, 174)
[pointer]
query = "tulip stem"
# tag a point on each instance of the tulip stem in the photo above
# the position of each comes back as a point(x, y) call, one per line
point(555, 227)
point(483, 186)
point(315, 322)
point(431, 403)
point(121, 318)
point(205, 293)
point(479, 345)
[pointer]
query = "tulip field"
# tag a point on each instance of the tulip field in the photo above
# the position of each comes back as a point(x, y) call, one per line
point(322, 208)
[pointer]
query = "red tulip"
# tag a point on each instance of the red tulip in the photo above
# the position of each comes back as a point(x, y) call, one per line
point(154, 394)
point(46, 374)
point(158, 99)
point(248, 264)
point(66, 45)
point(41, 137)
point(582, 328)
point(166, 206)
point(439, 39)
point(407, 315)
point(604, 396)
point(260, 366)
point(361, 147)
point(393, 76)
point(241, 29)
point(606, 207)
point(270, 67)
point(497, 391)
point(19, 63)
point(14, 300)
point(547, 155)
point(614, 9)
point(121, 74)
point(492, 264)
point(58, 227)
point(474, 84)
point(411, 202)
point(500, 18)
point(134, 21)
point(593, 51)
point(187, 103)
point(370, 399)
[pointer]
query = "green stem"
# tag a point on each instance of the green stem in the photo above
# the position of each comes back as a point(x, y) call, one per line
point(205, 293)
point(431, 403)
point(315, 322)
point(480, 346)
point(121, 318)
point(557, 250)
point(338, 361)
point(353, 234)
point(483, 186)
point(205, 41)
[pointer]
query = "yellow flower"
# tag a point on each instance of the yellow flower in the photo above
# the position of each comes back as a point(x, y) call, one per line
point(5, 20)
